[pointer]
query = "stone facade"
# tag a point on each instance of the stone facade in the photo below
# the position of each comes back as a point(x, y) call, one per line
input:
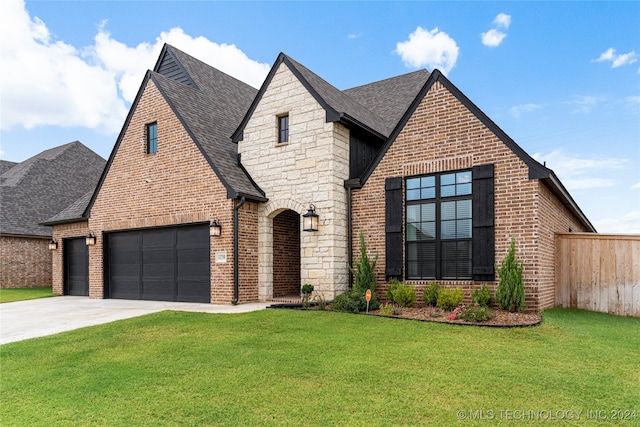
point(24, 262)
point(443, 135)
point(310, 168)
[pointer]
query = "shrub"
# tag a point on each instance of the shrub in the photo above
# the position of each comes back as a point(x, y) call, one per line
point(354, 302)
point(363, 271)
point(430, 294)
point(448, 299)
point(404, 295)
point(482, 296)
point(476, 313)
point(386, 309)
point(391, 285)
point(510, 292)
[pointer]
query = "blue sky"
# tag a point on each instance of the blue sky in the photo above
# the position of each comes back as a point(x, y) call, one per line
point(561, 78)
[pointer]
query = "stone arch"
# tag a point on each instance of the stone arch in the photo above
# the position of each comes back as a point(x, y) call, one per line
point(271, 266)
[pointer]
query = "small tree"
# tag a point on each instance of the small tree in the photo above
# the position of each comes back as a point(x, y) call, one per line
point(364, 276)
point(510, 292)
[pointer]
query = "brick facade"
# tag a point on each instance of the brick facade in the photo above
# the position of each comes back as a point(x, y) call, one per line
point(443, 135)
point(24, 262)
point(173, 186)
point(286, 250)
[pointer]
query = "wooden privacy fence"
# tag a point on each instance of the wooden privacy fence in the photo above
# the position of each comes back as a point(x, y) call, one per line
point(598, 272)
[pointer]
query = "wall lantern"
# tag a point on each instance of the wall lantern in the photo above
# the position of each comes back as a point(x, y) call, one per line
point(215, 229)
point(90, 240)
point(53, 245)
point(310, 219)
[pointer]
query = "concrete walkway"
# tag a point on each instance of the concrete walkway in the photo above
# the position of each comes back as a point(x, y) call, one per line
point(22, 320)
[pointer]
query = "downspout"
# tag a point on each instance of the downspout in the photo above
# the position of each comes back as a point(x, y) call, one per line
point(236, 260)
point(349, 236)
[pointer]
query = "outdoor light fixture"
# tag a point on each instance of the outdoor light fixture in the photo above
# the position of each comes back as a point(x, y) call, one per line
point(310, 219)
point(53, 245)
point(215, 229)
point(90, 240)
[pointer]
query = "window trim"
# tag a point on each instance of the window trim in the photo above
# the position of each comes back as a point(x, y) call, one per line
point(149, 141)
point(280, 140)
point(438, 241)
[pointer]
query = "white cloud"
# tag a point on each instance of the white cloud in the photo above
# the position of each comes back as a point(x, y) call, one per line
point(579, 173)
point(502, 20)
point(517, 110)
point(50, 82)
point(495, 36)
point(353, 36)
point(636, 186)
point(433, 49)
point(628, 223)
point(616, 60)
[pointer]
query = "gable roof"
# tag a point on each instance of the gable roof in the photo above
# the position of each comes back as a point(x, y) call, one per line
point(5, 165)
point(363, 106)
point(209, 104)
point(34, 190)
point(536, 170)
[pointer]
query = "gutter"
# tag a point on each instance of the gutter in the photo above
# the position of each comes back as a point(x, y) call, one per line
point(236, 260)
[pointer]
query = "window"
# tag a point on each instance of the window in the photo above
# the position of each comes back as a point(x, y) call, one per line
point(152, 138)
point(283, 129)
point(439, 226)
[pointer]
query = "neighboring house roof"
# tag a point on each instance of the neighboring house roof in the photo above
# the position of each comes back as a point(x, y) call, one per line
point(363, 106)
point(209, 104)
point(34, 190)
point(536, 170)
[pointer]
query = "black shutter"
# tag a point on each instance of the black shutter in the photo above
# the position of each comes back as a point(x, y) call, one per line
point(483, 224)
point(393, 227)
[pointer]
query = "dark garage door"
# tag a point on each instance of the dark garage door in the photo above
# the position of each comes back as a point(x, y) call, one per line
point(76, 267)
point(165, 264)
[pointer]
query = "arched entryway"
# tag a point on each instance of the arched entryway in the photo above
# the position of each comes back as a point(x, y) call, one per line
point(286, 254)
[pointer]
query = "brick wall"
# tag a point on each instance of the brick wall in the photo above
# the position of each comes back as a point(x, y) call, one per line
point(443, 135)
point(173, 186)
point(286, 251)
point(61, 232)
point(25, 262)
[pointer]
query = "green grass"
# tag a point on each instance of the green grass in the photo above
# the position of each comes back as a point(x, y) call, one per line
point(286, 367)
point(11, 295)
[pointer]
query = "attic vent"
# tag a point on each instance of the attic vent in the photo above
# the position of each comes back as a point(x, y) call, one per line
point(170, 67)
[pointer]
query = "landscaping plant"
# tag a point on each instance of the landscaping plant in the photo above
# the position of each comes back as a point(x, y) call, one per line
point(448, 299)
point(392, 284)
point(404, 295)
point(476, 313)
point(364, 279)
point(307, 290)
point(482, 296)
point(510, 292)
point(430, 294)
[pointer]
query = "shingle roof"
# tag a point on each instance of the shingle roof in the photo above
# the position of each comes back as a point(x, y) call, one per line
point(376, 107)
point(34, 190)
point(73, 212)
point(5, 165)
point(211, 111)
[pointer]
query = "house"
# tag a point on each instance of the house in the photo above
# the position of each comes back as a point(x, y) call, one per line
point(209, 183)
point(31, 192)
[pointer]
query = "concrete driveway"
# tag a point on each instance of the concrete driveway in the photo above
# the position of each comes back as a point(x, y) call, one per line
point(22, 320)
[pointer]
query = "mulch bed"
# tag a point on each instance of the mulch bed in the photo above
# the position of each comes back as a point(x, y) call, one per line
point(500, 318)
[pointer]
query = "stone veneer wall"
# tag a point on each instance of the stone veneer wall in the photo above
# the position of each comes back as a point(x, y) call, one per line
point(182, 189)
point(443, 135)
point(310, 168)
point(25, 262)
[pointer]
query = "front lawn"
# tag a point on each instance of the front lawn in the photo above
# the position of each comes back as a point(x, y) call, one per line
point(11, 295)
point(286, 367)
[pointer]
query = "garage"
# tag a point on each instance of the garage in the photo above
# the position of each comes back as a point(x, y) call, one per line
point(76, 267)
point(161, 264)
